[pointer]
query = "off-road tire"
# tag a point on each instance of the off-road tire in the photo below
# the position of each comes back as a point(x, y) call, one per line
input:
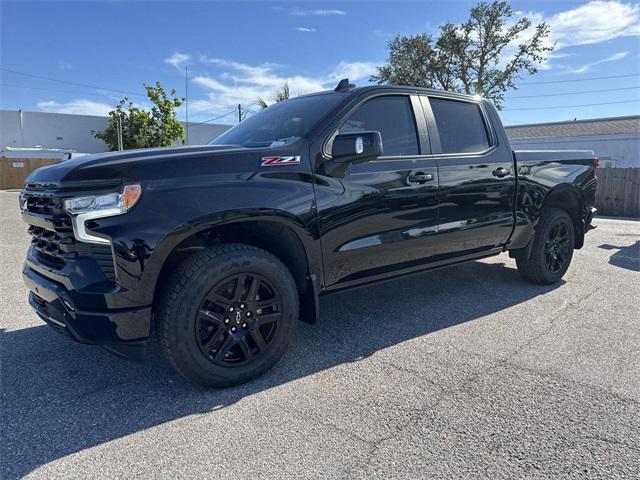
point(534, 266)
point(180, 303)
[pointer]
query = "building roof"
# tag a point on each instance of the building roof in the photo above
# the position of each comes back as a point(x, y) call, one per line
point(596, 126)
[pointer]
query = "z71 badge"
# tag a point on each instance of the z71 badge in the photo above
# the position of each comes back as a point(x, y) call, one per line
point(277, 161)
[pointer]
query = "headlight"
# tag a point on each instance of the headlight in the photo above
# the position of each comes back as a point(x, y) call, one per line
point(91, 207)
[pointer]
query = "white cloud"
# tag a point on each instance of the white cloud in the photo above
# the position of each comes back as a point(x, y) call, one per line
point(354, 71)
point(259, 76)
point(546, 64)
point(586, 67)
point(305, 29)
point(210, 83)
point(594, 22)
point(178, 60)
point(235, 83)
point(79, 107)
point(317, 13)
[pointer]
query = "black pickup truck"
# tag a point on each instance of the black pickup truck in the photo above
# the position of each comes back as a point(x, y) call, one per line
point(219, 250)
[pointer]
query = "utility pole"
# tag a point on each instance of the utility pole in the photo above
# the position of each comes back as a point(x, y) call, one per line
point(119, 135)
point(186, 99)
point(239, 113)
point(21, 129)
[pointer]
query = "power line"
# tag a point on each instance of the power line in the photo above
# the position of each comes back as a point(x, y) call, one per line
point(572, 93)
point(572, 106)
point(514, 121)
point(235, 110)
point(214, 118)
point(84, 85)
point(580, 79)
point(75, 92)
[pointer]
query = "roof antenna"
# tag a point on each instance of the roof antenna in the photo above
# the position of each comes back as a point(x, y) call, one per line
point(344, 85)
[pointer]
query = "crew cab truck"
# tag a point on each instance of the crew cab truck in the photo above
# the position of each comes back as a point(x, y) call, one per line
point(219, 250)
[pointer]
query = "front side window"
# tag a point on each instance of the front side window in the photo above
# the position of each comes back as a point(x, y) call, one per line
point(392, 116)
point(281, 123)
point(460, 126)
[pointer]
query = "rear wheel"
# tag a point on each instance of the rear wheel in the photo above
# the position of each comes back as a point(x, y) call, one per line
point(551, 251)
point(227, 314)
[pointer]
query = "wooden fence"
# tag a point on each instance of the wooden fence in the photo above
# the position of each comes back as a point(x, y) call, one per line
point(13, 171)
point(618, 192)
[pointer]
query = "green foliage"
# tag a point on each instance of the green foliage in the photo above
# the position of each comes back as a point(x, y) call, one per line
point(484, 55)
point(145, 129)
point(279, 95)
point(410, 62)
point(262, 103)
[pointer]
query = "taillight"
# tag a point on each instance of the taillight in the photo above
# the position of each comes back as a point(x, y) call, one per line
point(596, 162)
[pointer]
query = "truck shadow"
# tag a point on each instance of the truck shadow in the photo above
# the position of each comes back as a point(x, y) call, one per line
point(59, 398)
point(625, 256)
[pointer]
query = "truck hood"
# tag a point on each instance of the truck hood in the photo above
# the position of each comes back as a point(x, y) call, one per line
point(105, 169)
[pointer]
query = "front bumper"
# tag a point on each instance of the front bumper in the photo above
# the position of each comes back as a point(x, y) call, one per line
point(123, 331)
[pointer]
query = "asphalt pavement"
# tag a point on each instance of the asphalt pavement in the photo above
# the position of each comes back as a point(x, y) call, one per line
point(466, 372)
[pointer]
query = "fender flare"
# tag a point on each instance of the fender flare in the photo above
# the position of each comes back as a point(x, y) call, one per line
point(308, 241)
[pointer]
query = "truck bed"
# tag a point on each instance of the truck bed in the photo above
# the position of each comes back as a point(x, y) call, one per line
point(552, 155)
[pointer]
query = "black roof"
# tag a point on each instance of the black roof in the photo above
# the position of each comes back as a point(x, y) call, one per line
point(403, 88)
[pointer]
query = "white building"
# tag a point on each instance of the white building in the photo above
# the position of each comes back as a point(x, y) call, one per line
point(615, 140)
point(73, 132)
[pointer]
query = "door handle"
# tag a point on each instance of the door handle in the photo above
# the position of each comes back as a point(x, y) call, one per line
point(501, 172)
point(420, 177)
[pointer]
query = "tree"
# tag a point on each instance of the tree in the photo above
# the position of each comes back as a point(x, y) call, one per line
point(144, 129)
point(279, 95)
point(472, 57)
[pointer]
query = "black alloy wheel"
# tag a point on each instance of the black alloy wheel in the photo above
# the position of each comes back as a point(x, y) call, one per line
point(227, 314)
point(238, 319)
point(548, 256)
point(557, 247)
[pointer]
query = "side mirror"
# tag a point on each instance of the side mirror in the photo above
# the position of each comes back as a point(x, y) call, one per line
point(356, 147)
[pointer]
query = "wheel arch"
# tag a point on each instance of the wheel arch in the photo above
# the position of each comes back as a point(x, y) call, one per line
point(566, 197)
point(279, 235)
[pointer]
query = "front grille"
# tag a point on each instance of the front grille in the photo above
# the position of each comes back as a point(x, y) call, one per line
point(52, 246)
point(57, 246)
point(44, 204)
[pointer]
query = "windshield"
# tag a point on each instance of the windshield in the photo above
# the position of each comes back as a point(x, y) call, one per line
point(281, 123)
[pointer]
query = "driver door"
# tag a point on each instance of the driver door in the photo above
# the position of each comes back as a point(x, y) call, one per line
point(381, 218)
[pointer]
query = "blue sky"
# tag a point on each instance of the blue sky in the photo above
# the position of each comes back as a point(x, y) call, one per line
point(237, 51)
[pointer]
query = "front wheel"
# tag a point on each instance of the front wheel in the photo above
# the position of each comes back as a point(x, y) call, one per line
point(227, 314)
point(551, 251)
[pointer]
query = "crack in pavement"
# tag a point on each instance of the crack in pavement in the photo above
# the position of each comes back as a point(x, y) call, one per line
point(493, 365)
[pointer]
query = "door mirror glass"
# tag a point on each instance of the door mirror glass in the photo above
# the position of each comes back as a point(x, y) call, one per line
point(356, 147)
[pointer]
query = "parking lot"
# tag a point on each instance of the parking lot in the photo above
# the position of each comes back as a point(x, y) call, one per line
point(467, 372)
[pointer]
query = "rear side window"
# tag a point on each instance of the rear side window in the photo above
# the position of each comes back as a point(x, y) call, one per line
point(392, 116)
point(460, 126)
